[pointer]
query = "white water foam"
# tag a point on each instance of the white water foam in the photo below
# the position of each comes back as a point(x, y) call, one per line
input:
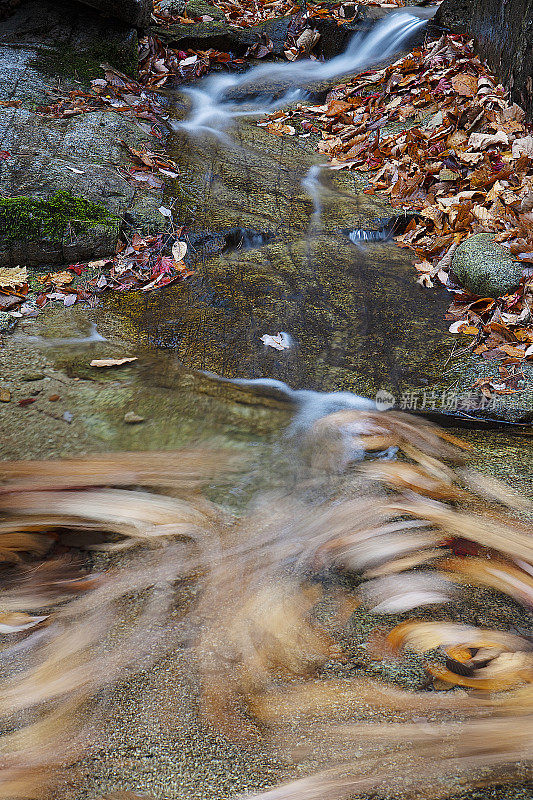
point(311, 184)
point(93, 336)
point(311, 405)
point(213, 110)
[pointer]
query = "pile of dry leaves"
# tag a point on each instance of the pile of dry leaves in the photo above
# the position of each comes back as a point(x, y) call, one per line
point(462, 158)
point(140, 263)
point(160, 64)
point(251, 12)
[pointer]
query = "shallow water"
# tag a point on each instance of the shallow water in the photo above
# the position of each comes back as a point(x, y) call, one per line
point(357, 323)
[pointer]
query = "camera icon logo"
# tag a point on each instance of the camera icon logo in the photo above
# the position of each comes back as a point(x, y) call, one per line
point(384, 400)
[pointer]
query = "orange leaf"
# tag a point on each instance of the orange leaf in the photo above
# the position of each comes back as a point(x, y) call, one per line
point(465, 85)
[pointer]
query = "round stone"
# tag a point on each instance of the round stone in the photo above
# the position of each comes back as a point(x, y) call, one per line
point(484, 267)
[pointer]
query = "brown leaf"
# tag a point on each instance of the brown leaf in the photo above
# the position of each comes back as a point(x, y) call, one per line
point(465, 84)
point(112, 362)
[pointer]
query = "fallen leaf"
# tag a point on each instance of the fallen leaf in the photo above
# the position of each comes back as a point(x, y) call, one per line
point(280, 341)
point(179, 250)
point(465, 84)
point(5, 395)
point(112, 362)
point(11, 277)
point(480, 141)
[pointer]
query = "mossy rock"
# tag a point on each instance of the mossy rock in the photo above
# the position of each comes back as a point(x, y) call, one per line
point(193, 8)
point(53, 226)
point(484, 267)
point(26, 218)
point(84, 64)
point(199, 8)
point(223, 36)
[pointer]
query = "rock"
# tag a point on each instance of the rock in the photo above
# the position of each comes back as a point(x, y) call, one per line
point(484, 267)
point(54, 215)
point(193, 8)
point(134, 12)
point(32, 376)
point(46, 41)
point(503, 35)
point(62, 198)
point(223, 36)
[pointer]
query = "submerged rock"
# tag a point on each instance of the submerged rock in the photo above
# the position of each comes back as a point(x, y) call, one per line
point(484, 267)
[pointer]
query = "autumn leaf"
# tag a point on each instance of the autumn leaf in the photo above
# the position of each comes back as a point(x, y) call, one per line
point(112, 362)
point(465, 84)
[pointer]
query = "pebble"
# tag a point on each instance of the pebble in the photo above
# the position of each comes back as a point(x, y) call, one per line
point(5, 395)
point(131, 418)
point(32, 376)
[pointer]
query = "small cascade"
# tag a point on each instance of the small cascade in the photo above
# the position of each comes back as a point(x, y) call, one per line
point(222, 99)
point(311, 184)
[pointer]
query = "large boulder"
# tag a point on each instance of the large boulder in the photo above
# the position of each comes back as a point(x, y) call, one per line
point(62, 198)
point(503, 32)
point(484, 267)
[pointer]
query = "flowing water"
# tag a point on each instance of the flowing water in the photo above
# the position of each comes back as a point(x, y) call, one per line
point(355, 323)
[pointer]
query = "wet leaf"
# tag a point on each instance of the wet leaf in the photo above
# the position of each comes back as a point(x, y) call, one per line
point(112, 362)
point(179, 249)
point(280, 341)
point(465, 84)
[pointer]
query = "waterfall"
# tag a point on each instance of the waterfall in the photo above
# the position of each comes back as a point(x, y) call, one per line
point(213, 109)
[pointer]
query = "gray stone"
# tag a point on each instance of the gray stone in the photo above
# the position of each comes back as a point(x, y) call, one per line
point(78, 155)
point(484, 267)
point(45, 42)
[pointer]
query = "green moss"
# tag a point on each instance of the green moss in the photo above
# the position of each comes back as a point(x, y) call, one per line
point(84, 65)
point(25, 219)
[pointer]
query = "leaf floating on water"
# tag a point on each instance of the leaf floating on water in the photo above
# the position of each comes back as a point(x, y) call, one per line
point(112, 362)
point(280, 341)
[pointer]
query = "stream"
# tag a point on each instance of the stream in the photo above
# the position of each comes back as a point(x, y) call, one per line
point(270, 239)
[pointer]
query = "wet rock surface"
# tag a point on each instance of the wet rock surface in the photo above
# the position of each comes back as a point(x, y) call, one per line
point(43, 44)
point(222, 35)
point(484, 267)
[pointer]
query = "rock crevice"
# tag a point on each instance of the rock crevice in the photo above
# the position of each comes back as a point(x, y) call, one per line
point(503, 30)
